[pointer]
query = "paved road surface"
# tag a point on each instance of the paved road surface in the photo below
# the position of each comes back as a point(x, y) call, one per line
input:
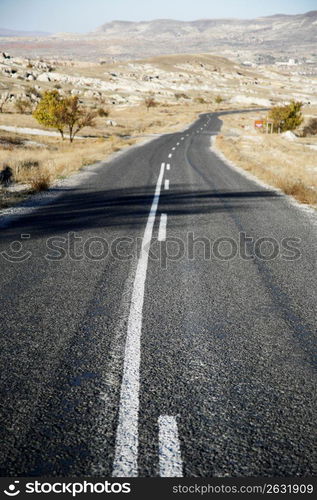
point(199, 363)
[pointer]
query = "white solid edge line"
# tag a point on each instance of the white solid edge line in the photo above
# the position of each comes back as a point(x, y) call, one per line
point(170, 459)
point(127, 439)
point(162, 228)
point(168, 166)
point(166, 184)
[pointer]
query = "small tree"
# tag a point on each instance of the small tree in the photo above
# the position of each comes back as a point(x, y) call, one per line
point(74, 117)
point(63, 113)
point(49, 111)
point(287, 117)
point(150, 102)
point(218, 99)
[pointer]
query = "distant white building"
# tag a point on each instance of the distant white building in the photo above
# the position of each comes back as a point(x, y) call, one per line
point(290, 62)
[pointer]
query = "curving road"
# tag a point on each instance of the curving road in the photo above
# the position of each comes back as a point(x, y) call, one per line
point(159, 319)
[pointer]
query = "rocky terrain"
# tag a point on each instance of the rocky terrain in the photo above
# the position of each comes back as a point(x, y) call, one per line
point(263, 40)
point(169, 78)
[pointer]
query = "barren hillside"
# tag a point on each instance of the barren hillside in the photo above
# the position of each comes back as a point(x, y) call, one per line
point(263, 39)
point(183, 78)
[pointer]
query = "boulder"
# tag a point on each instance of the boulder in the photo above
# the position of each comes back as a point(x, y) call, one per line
point(289, 135)
point(92, 94)
point(44, 77)
point(111, 123)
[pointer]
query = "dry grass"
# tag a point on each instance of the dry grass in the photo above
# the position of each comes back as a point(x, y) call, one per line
point(288, 165)
point(40, 182)
point(300, 191)
point(59, 159)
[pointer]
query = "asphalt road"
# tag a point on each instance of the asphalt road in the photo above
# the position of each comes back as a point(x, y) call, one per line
point(182, 358)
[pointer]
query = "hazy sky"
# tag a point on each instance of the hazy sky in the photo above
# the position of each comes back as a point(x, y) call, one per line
point(86, 15)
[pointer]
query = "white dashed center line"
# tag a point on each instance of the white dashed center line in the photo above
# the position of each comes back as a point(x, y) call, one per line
point(127, 438)
point(166, 184)
point(173, 149)
point(162, 228)
point(168, 166)
point(170, 155)
point(177, 144)
point(170, 459)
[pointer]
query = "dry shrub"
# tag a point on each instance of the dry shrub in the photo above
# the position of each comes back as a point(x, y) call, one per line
point(22, 106)
point(156, 123)
point(40, 182)
point(150, 102)
point(302, 193)
point(310, 128)
point(14, 141)
point(28, 164)
point(199, 100)
point(103, 112)
point(181, 95)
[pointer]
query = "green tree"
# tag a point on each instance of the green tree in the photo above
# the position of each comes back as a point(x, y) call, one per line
point(49, 111)
point(287, 117)
point(63, 113)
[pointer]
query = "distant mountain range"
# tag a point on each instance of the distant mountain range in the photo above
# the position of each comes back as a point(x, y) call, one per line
point(289, 35)
point(279, 29)
point(15, 33)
